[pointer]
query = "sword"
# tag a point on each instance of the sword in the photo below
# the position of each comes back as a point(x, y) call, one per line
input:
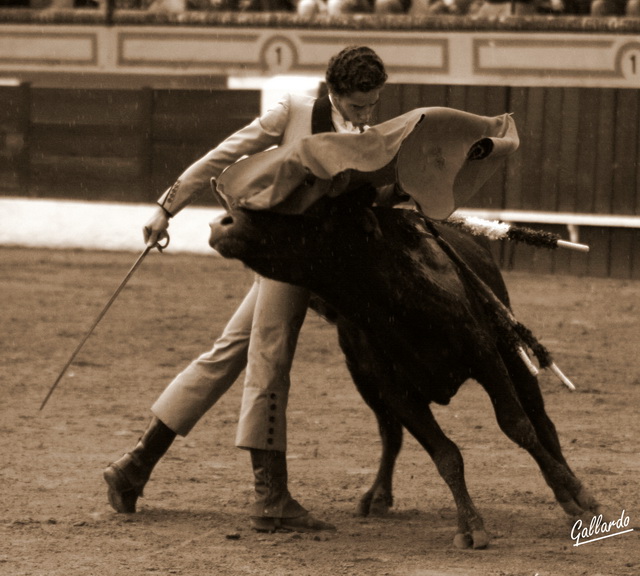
point(135, 266)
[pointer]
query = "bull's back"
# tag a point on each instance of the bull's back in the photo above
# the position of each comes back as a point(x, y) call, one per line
point(476, 254)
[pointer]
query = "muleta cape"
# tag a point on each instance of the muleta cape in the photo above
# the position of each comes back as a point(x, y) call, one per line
point(439, 156)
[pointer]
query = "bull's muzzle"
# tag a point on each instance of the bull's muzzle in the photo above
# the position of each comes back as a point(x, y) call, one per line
point(219, 228)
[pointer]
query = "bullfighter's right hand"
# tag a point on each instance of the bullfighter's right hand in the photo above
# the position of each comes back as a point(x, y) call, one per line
point(155, 229)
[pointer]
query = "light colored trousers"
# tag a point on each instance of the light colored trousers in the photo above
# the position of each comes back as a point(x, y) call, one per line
point(261, 336)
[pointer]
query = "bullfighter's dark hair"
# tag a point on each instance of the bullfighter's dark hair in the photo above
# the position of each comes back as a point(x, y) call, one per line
point(355, 69)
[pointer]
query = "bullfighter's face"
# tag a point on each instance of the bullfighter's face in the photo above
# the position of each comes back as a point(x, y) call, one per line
point(357, 107)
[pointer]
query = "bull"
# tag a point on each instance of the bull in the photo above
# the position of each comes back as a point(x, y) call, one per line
point(413, 329)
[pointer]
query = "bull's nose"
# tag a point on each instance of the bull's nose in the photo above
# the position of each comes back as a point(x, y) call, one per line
point(222, 220)
point(218, 227)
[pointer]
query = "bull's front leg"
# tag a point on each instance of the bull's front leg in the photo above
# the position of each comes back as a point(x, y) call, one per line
point(367, 370)
point(418, 419)
point(379, 498)
point(446, 455)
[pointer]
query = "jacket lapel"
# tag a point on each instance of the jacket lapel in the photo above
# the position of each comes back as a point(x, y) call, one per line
point(321, 116)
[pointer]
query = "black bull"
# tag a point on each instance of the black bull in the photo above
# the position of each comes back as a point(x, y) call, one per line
point(413, 330)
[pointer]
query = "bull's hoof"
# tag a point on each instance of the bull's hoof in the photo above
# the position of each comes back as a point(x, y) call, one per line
point(379, 507)
point(572, 509)
point(588, 502)
point(588, 515)
point(583, 506)
point(371, 505)
point(478, 540)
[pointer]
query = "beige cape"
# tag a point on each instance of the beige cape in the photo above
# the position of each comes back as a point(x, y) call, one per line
point(439, 156)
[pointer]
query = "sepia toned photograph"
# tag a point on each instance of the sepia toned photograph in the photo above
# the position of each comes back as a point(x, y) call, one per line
point(320, 287)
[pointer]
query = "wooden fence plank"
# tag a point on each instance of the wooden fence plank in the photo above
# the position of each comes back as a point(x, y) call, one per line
point(635, 255)
point(71, 107)
point(145, 145)
point(457, 97)
point(569, 150)
point(550, 156)
point(14, 137)
point(623, 196)
point(476, 100)
point(599, 240)
point(391, 103)
point(604, 159)
point(622, 244)
point(517, 105)
point(531, 141)
point(637, 166)
point(587, 136)
point(412, 97)
point(492, 101)
point(435, 95)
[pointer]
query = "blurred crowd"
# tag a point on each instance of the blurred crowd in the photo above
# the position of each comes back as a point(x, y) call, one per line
point(481, 8)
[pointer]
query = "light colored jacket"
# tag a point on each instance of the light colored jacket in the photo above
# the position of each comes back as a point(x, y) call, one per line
point(288, 120)
point(439, 157)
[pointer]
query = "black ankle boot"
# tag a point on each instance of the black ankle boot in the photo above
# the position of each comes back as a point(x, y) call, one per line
point(274, 508)
point(127, 476)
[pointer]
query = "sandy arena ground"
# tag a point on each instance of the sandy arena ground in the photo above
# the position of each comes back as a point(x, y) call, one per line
point(55, 519)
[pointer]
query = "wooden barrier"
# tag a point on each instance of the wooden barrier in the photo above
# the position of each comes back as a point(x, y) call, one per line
point(128, 145)
point(579, 153)
point(116, 145)
point(14, 132)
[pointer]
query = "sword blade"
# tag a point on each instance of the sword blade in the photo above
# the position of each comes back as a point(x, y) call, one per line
point(95, 323)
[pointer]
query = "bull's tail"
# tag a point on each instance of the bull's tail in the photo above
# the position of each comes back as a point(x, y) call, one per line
point(510, 330)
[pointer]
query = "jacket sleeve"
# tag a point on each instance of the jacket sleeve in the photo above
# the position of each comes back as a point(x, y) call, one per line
point(261, 134)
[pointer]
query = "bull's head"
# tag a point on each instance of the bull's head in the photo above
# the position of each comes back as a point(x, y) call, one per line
point(298, 249)
point(362, 261)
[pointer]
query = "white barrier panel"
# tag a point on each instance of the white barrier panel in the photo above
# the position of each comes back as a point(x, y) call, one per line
point(97, 225)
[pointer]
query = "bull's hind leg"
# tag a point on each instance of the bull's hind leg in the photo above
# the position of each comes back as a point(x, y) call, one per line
point(528, 391)
point(515, 423)
point(530, 397)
